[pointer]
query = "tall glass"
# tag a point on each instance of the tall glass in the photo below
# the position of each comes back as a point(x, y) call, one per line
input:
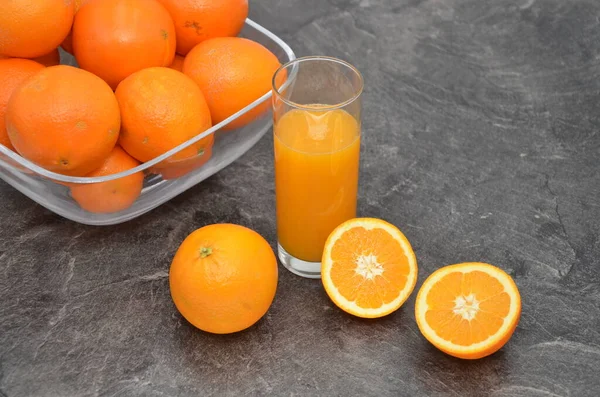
point(316, 110)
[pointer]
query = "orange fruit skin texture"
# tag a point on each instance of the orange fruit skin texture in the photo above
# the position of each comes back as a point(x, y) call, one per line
point(199, 20)
point(115, 38)
point(177, 63)
point(111, 196)
point(232, 72)
point(64, 119)
point(32, 28)
point(13, 72)
point(229, 289)
point(162, 108)
point(50, 59)
point(488, 350)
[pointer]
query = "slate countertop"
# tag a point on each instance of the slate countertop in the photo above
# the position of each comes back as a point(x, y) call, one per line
point(481, 143)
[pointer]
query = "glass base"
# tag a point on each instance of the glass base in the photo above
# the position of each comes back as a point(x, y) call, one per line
point(298, 266)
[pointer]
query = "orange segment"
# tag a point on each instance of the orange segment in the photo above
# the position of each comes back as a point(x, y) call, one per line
point(469, 310)
point(368, 267)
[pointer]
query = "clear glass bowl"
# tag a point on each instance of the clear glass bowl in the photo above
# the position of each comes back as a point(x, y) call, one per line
point(53, 192)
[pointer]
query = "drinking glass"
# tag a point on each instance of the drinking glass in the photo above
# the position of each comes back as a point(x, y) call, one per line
point(317, 130)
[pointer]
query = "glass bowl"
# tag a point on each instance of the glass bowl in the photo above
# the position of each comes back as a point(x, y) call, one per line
point(53, 190)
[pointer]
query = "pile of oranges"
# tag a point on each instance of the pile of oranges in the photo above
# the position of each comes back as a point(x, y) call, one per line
point(152, 74)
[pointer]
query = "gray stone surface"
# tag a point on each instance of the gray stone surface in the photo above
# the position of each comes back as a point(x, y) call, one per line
point(481, 143)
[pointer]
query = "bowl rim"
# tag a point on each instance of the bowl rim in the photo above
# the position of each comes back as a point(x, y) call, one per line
point(148, 164)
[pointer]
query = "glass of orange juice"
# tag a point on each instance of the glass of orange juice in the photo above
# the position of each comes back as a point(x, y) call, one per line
point(317, 124)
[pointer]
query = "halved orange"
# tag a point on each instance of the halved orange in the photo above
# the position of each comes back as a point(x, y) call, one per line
point(368, 268)
point(468, 310)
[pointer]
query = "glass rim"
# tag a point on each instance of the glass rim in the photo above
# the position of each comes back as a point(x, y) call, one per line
point(298, 61)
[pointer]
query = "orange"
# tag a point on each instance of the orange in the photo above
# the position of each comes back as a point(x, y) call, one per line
point(180, 168)
point(110, 196)
point(162, 108)
point(177, 63)
point(199, 20)
point(67, 43)
point(50, 59)
point(232, 73)
point(223, 278)
point(368, 267)
point(64, 119)
point(115, 38)
point(13, 72)
point(469, 310)
point(32, 28)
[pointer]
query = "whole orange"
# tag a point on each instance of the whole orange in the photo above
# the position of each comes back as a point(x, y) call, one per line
point(67, 43)
point(177, 63)
point(199, 20)
point(13, 72)
point(223, 278)
point(64, 119)
point(110, 196)
point(232, 73)
point(50, 59)
point(32, 28)
point(115, 38)
point(162, 108)
point(181, 168)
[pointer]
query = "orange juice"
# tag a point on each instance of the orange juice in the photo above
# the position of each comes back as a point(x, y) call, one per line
point(316, 177)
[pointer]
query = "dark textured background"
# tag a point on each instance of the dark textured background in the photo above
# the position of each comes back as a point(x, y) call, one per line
point(480, 142)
